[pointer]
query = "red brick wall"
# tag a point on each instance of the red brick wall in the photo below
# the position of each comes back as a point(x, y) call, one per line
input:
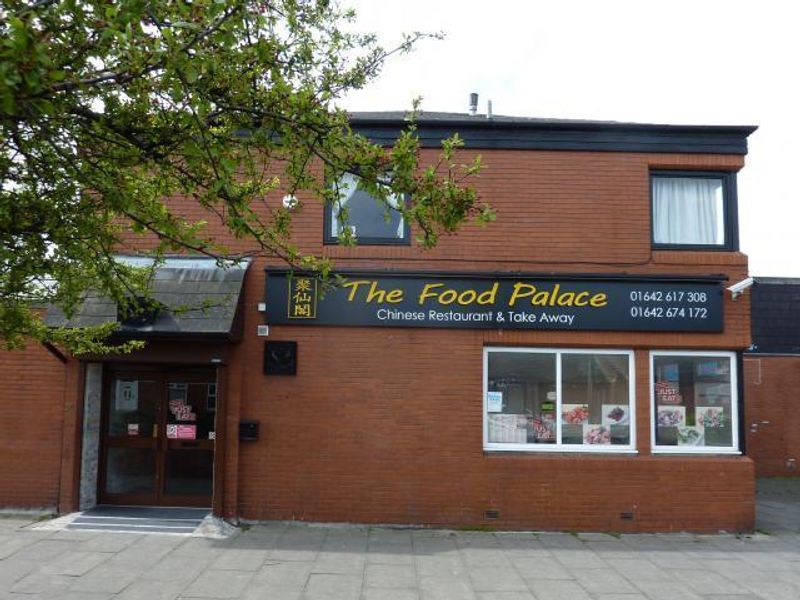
point(570, 211)
point(31, 427)
point(772, 414)
point(385, 425)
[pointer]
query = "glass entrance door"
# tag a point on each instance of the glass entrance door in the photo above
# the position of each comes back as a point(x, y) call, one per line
point(158, 438)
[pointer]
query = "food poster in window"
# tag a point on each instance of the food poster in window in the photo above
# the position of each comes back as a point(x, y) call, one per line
point(573, 418)
point(596, 434)
point(615, 414)
point(690, 435)
point(574, 414)
point(670, 416)
point(710, 417)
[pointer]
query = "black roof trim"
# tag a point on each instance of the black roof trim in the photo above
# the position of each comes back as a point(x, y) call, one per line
point(521, 133)
point(517, 275)
point(777, 280)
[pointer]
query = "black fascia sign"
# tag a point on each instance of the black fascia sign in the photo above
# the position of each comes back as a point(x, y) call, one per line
point(618, 303)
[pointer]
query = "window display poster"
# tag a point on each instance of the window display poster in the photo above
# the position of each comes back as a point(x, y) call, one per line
point(690, 436)
point(667, 393)
point(670, 416)
point(181, 432)
point(127, 396)
point(575, 414)
point(494, 402)
point(615, 414)
point(186, 432)
point(710, 417)
point(133, 429)
point(596, 434)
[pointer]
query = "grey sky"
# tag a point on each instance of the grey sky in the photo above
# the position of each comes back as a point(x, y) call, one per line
point(692, 62)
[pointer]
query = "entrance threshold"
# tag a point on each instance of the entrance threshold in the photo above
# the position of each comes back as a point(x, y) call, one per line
point(140, 519)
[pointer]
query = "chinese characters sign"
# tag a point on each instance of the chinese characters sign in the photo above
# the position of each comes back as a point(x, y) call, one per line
point(302, 298)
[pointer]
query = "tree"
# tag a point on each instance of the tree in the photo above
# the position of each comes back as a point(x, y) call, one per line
point(109, 108)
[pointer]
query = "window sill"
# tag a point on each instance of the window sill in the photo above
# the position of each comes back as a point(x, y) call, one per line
point(696, 450)
point(522, 449)
point(692, 248)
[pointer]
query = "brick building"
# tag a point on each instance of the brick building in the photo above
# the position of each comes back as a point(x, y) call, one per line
point(772, 377)
point(575, 365)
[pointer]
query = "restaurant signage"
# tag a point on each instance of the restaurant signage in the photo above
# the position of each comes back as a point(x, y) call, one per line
point(393, 299)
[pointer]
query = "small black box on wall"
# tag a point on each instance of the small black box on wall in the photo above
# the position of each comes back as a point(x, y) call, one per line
point(280, 358)
point(248, 431)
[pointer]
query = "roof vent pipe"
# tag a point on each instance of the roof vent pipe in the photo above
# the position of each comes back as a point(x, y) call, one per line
point(489, 110)
point(473, 104)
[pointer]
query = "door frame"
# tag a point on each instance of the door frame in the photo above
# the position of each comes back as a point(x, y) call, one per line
point(163, 375)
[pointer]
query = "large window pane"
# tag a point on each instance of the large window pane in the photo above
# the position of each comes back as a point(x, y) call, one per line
point(521, 399)
point(553, 399)
point(688, 211)
point(595, 405)
point(694, 401)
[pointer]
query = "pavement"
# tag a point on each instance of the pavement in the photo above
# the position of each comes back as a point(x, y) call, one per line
point(291, 561)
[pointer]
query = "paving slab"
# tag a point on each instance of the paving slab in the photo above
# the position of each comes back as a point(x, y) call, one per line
point(215, 583)
point(292, 561)
point(390, 576)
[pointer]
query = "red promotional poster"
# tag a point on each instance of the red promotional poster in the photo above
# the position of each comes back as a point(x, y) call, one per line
point(186, 432)
point(667, 393)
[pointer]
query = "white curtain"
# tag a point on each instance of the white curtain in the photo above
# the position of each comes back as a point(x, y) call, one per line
point(688, 210)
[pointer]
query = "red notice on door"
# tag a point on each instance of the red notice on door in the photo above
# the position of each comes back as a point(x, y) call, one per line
point(182, 432)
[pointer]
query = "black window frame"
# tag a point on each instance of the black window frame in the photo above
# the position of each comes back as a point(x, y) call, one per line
point(730, 211)
point(332, 240)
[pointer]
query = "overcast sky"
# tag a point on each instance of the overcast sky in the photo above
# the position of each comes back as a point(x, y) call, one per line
point(685, 62)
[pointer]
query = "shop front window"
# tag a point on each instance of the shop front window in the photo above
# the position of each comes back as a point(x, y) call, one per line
point(694, 402)
point(562, 400)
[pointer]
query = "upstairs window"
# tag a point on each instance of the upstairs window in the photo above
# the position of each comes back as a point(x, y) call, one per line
point(693, 210)
point(368, 219)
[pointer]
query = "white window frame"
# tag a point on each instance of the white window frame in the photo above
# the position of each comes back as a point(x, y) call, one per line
point(734, 448)
point(558, 447)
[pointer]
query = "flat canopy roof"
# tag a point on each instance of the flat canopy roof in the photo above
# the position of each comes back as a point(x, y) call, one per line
point(199, 296)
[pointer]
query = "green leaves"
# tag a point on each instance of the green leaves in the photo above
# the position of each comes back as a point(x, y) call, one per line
point(110, 111)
